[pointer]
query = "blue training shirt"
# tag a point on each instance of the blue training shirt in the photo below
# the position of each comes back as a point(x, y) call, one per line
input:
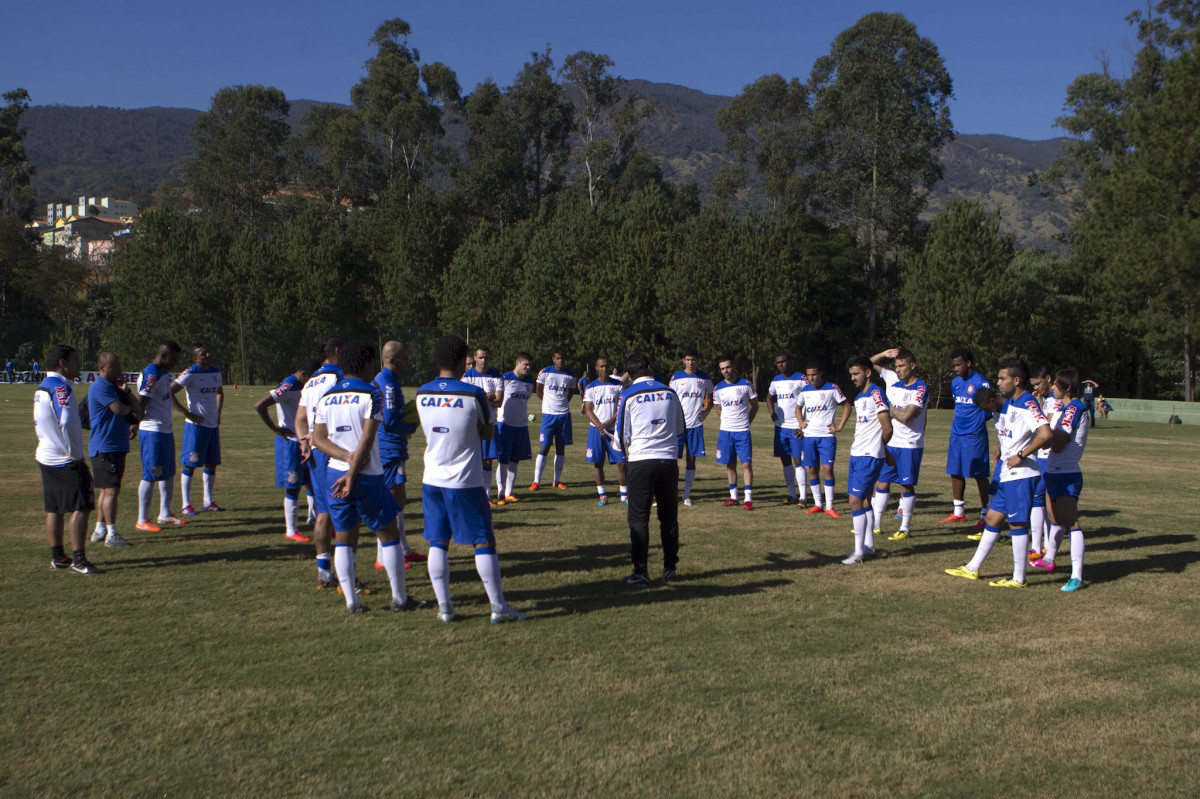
point(394, 432)
point(969, 418)
point(110, 432)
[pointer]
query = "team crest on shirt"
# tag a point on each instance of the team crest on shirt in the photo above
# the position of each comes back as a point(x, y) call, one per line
point(442, 384)
point(970, 389)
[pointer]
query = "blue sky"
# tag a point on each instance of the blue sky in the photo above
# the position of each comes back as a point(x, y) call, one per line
point(1010, 61)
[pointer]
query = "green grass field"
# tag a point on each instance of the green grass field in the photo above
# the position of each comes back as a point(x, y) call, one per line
point(203, 662)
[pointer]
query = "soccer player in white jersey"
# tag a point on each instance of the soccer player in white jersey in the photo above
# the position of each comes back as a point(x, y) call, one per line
point(492, 382)
point(1064, 478)
point(457, 418)
point(781, 402)
point(600, 407)
point(695, 390)
point(156, 439)
point(908, 397)
point(1022, 430)
point(347, 420)
point(868, 454)
point(737, 402)
point(202, 430)
point(815, 404)
point(317, 462)
point(555, 387)
point(512, 427)
point(1040, 381)
point(289, 471)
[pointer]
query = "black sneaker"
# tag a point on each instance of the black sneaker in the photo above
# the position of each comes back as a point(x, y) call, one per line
point(360, 588)
point(408, 604)
point(327, 585)
point(61, 563)
point(639, 579)
point(355, 610)
point(84, 567)
point(668, 575)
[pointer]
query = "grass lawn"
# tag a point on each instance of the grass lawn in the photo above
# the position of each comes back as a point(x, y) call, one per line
point(203, 662)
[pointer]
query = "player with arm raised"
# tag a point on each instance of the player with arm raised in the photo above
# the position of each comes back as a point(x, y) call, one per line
point(695, 391)
point(289, 470)
point(908, 398)
point(815, 404)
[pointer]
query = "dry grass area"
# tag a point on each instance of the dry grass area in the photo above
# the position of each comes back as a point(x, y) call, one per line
point(202, 662)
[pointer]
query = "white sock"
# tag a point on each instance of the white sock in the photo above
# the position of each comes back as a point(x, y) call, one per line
point(111, 529)
point(538, 466)
point(860, 531)
point(559, 462)
point(405, 547)
point(312, 504)
point(983, 511)
point(1037, 524)
point(291, 507)
point(208, 478)
point(869, 537)
point(829, 495)
point(733, 491)
point(101, 530)
point(439, 574)
point(166, 489)
point(801, 483)
point(1077, 548)
point(815, 485)
point(960, 508)
point(624, 493)
point(145, 495)
point(1020, 547)
point(789, 477)
point(501, 471)
point(748, 490)
point(1052, 542)
point(986, 543)
point(379, 551)
point(510, 479)
point(324, 567)
point(390, 557)
point(907, 501)
point(879, 503)
point(343, 563)
point(185, 488)
point(488, 566)
point(689, 477)
point(600, 491)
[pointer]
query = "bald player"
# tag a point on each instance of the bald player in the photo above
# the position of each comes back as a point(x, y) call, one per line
point(393, 441)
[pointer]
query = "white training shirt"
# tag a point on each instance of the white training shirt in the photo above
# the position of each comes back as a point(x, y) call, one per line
point(603, 397)
point(868, 432)
point(784, 389)
point(910, 434)
point(287, 400)
point(818, 404)
point(734, 399)
point(154, 387)
point(451, 412)
point(315, 388)
point(650, 421)
point(56, 421)
point(694, 392)
point(203, 386)
point(490, 381)
point(1050, 409)
point(1016, 428)
point(556, 392)
point(343, 410)
point(514, 410)
point(1073, 420)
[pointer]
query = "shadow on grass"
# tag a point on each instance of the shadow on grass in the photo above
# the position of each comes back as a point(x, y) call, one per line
point(1128, 543)
point(606, 594)
point(1164, 563)
point(259, 554)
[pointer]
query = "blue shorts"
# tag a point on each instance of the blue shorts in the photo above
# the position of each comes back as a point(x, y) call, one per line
point(489, 447)
point(158, 455)
point(819, 450)
point(1064, 485)
point(692, 442)
point(201, 446)
point(907, 469)
point(788, 444)
point(1015, 499)
point(393, 473)
point(318, 466)
point(1039, 490)
point(369, 503)
point(734, 446)
point(600, 447)
point(512, 443)
point(864, 473)
point(557, 426)
point(967, 456)
point(288, 473)
point(459, 514)
point(994, 486)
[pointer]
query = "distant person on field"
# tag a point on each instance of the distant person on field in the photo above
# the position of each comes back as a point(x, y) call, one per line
point(695, 391)
point(480, 373)
point(512, 427)
point(555, 386)
point(202, 431)
point(1089, 399)
point(788, 446)
point(10, 371)
point(156, 440)
point(1040, 381)
point(967, 456)
point(737, 402)
point(35, 370)
point(66, 479)
point(289, 470)
point(815, 407)
point(113, 407)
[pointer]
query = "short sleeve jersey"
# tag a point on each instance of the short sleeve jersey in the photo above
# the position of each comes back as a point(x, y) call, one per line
point(694, 392)
point(910, 434)
point(57, 423)
point(734, 399)
point(318, 383)
point(603, 395)
point(868, 432)
point(650, 420)
point(202, 386)
point(110, 432)
point(818, 404)
point(1073, 420)
point(1050, 409)
point(154, 387)
point(394, 432)
point(344, 409)
point(784, 389)
point(514, 411)
point(490, 381)
point(556, 394)
point(1016, 427)
point(451, 412)
point(287, 399)
point(969, 419)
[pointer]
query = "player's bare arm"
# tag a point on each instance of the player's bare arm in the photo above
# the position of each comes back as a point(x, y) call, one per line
point(906, 414)
point(753, 409)
point(194, 418)
point(262, 407)
point(842, 422)
point(888, 354)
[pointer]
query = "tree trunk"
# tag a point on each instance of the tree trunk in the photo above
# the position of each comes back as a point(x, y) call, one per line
point(1189, 388)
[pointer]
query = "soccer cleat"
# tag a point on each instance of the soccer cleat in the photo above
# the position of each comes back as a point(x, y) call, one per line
point(325, 585)
point(415, 557)
point(851, 559)
point(801, 506)
point(877, 531)
point(360, 588)
point(899, 535)
point(1043, 564)
point(624, 500)
point(511, 499)
point(498, 503)
point(687, 502)
point(1007, 582)
point(964, 572)
point(214, 507)
point(815, 509)
point(147, 527)
point(729, 503)
point(899, 516)
point(953, 519)
point(561, 486)
point(508, 614)
point(61, 563)
point(492, 504)
point(788, 501)
point(638, 579)
point(831, 513)
point(116, 540)
point(1035, 554)
point(188, 510)
point(1074, 584)
point(380, 567)
point(445, 617)
point(979, 525)
point(668, 575)
point(99, 535)
point(974, 536)
point(868, 552)
point(297, 536)
point(534, 486)
point(408, 604)
point(84, 567)
point(603, 501)
point(169, 521)
point(355, 610)
point(749, 505)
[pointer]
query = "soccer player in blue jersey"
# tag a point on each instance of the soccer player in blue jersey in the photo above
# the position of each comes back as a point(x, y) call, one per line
point(491, 381)
point(781, 402)
point(968, 452)
point(112, 407)
point(1022, 430)
point(393, 442)
point(347, 420)
point(815, 408)
point(202, 430)
point(600, 407)
point(317, 461)
point(156, 439)
point(512, 427)
point(456, 418)
point(555, 387)
point(695, 391)
point(908, 397)
point(868, 455)
point(289, 470)
point(737, 402)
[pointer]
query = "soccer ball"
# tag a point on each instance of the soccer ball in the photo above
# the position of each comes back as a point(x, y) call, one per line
point(531, 417)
